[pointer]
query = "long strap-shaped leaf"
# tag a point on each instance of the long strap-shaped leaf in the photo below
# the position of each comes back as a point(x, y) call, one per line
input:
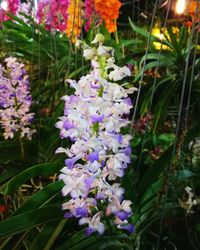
point(37, 170)
point(30, 219)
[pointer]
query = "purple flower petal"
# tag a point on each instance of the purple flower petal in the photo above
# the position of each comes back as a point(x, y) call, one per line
point(128, 101)
point(94, 156)
point(129, 227)
point(127, 151)
point(70, 162)
point(100, 196)
point(67, 125)
point(89, 231)
point(81, 212)
point(68, 215)
point(122, 215)
point(97, 118)
point(88, 182)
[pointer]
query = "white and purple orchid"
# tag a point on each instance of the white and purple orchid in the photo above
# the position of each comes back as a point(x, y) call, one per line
point(15, 100)
point(93, 118)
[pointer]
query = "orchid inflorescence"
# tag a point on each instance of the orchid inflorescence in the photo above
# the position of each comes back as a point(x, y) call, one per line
point(15, 100)
point(15, 7)
point(93, 118)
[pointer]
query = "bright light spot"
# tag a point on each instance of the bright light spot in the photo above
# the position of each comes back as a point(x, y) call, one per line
point(180, 6)
point(4, 5)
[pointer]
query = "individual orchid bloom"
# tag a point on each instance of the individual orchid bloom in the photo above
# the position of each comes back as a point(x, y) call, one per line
point(99, 38)
point(88, 53)
point(79, 207)
point(99, 155)
point(74, 184)
point(94, 224)
point(119, 73)
point(105, 51)
point(121, 210)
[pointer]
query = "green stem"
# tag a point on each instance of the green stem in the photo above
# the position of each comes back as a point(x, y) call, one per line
point(116, 37)
point(21, 147)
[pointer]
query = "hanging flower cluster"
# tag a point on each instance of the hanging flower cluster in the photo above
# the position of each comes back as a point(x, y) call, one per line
point(193, 8)
point(75, 19)
point(15, 7)
point(89, 13)
point(8, 6)
point(93, 118)
point(15, 100)
point(109, 11)
point(53, 13)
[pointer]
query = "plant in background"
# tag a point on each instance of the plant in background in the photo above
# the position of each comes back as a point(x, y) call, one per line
point(67, 15)
point(75, 20)
point(109, 12)
point(8, 6)
point(93, 119)
point(191, 12)
point(25, 8)
point(53, 14)
point(15, 100)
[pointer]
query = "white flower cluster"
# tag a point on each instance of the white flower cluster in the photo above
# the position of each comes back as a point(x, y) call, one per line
point(93, 118)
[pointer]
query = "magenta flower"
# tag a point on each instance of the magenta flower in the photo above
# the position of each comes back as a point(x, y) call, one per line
point(89, 12)
point(53, 14)
point(8, 6)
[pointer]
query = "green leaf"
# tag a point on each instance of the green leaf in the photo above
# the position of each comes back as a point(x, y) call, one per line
point(153, 173)
point(46, 238)
point(30, 219)
point(37, 170)
point(146, 34)
point(41, 197)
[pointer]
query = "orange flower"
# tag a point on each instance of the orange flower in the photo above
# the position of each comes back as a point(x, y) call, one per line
point(109, 12)
point(192, 10)
point(75, 19)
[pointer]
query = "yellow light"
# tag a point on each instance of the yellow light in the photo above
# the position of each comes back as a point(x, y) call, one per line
point(180, 6)
point(4, 5)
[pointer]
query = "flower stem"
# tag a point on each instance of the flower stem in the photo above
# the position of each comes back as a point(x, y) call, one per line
point(116, 37)
point(21, 148)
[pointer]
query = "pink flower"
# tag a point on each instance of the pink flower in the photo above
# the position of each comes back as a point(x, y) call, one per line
point(89, 12)
point(12, 6)
point(53, 13)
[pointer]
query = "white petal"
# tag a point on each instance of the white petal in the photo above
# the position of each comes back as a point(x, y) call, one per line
point(84, 221)
point(101, 228)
